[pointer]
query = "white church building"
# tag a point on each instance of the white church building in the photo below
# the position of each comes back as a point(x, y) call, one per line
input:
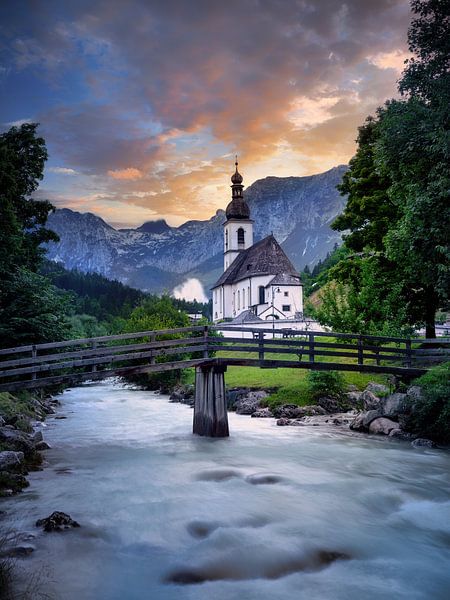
point(259, 282)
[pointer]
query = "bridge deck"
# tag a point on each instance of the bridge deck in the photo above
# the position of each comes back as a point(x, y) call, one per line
point(72, 361)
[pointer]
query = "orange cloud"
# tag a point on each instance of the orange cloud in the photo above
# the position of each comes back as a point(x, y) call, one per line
point(126, 174)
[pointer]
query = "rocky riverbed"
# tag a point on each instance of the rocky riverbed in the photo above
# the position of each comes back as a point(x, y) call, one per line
point(374, 411)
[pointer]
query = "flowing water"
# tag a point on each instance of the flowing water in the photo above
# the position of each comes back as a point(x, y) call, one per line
point(270, 513)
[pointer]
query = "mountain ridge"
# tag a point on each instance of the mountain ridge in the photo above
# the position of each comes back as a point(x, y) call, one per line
point(155, 256)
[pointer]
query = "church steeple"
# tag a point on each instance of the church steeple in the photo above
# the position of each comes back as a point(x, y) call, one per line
point(238, 208)
point(238, 228)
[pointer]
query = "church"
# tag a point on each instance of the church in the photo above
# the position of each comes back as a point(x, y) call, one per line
point(259, 282)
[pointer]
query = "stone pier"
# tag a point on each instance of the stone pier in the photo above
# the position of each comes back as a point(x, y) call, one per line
point(210, 408)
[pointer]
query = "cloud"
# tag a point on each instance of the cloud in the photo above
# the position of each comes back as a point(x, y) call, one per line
point(126, 174)
point(62, 171)
point(175, 89)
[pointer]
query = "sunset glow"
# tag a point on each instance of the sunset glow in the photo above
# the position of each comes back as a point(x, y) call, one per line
point(144, 104)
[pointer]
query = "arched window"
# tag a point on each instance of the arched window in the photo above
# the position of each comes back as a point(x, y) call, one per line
point(241, 236)
point(262, 295)
point(243, 298)
point(226, 239)
point(239, 300)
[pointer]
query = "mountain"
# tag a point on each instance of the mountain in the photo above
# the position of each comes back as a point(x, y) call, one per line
point(157, 257)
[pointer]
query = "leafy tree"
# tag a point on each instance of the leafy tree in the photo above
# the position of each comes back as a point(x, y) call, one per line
point(31, 309)
point(397, 186)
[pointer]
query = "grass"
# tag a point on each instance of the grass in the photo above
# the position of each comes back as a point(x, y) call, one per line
point(290, 384)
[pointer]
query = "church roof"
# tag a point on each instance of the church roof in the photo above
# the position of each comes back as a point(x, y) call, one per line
point(266, 257)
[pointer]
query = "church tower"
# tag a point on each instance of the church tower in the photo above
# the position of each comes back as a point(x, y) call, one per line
point(238, 228)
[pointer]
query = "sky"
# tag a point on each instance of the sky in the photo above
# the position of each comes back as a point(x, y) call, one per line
point(144, 103)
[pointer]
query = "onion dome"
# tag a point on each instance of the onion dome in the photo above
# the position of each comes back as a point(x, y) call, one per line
point(236, 177)
point(238, 207)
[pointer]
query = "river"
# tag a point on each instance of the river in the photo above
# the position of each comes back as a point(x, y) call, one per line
point(270, 513)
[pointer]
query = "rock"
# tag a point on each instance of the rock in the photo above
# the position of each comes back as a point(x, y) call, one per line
point(400, 434)
point(10, 460)
point(38, 437)
point(330, 405)
point(382, 426)
point(283, 422)
point(393, 405)
point(423, 443)
point(377, 388)
point(289, 411)
point(262, 413)
point(57, 521)
point(354, 398)
point(12, 481)
point(183, 394)
point(19, 551)
point(369, 400)
point(362, 421)
point(17, 440)
point(43, 446)
point(249, 403)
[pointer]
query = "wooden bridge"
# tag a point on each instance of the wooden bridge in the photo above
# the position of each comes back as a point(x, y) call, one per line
point(203, 347)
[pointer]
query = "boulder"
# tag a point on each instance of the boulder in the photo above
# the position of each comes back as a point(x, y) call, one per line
point(262, 413)
point(289, 411)
point(362, 421)
point(354, 399)
point(393, 405)
point(400, 434)
point(330, 405)
point(423, 443)
point(12, 481)
point(283, 422)
point(10, 460)
point(377, 388)
point(42, 446)
point(382, 426)
point(249, 403)
point(369, 400)
point(17, 440)
point(57, 521)
point(38, 437)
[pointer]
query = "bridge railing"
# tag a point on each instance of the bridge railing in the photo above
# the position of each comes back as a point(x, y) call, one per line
point(169, 349)
point(98, 357)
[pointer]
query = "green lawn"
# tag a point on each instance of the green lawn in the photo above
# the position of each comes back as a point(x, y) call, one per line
point(290, 385)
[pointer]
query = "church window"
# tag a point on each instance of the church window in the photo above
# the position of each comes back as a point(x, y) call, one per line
point(286, 308)
point(239, 300)
point(226, 239)
point(241, 236)
point(243, 298)
point(286, 294)
point(262, 295)
point(249, 298)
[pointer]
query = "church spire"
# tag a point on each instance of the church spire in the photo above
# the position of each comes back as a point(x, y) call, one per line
point(238, 208)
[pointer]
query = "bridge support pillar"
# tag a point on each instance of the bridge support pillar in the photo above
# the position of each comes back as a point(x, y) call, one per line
point(210, 407)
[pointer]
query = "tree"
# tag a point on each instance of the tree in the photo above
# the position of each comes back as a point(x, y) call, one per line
point(397, 185)
point(31, 309)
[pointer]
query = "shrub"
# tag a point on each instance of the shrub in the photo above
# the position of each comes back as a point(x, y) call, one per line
point(430, 416)
point(329, 384)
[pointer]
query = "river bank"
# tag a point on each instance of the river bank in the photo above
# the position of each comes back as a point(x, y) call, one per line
point(268, 512)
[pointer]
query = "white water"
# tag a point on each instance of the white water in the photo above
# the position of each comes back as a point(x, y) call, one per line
point(125, 465)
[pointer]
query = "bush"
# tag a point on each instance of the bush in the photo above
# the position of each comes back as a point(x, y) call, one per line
point(330, 384)
point(430, 417)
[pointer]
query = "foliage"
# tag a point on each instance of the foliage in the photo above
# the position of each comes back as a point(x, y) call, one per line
point(31, 310)
point(317, 277)
point(431, 415)
point(397, 186)
point(329, 384)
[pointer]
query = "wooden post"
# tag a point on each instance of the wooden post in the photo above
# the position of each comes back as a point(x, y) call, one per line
point(210, 408)
point(360, 350)
point(311, 347)
point(205, 339)
point(408, 353)
point(153, 339)
point(261, 345)
point(94, 346)
point(33, 355)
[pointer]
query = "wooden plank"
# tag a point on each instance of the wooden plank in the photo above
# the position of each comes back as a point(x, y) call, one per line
point(109, 350)
point(101, 360)
point(103, 338)
point(118, 372)
point(321, 366)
